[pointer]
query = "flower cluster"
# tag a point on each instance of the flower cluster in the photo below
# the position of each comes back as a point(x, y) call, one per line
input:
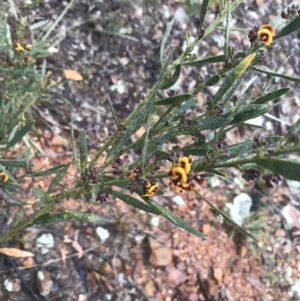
point(265, 34)
point(181, 180)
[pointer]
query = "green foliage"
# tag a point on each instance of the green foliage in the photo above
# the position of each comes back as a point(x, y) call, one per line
point(228, 109)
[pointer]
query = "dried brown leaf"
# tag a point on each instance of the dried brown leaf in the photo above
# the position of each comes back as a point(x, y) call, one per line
point(15, 252)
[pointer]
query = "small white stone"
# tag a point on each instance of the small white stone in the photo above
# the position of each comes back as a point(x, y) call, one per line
point(8, 285)
point(102, 233)
point(215, 182)
point(154, 221)
point(285, 211)
point(45, 242)
point(178, 200)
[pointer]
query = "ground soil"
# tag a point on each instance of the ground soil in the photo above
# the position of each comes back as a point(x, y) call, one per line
point(115, 46)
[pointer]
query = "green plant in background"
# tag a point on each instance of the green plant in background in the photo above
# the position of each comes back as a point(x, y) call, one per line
point(189, 165)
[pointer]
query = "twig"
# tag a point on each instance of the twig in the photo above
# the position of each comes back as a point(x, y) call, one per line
point(50, 261)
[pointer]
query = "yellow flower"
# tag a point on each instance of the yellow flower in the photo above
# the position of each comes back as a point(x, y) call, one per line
point(28, 46)
point(150, 189)
point(266, 33)
point(3, 177)
point(185, 163)
point(19, 47)
point(269, 27)
point(178, 174)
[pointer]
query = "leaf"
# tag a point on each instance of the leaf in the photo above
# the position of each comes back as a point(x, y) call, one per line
point(221, 16)
point(204, 7)
point(244, 113)
point(226, 217)
point(288, 168)
point(292, 132)
point(38, 24)
point(68, 215)
point(268, 71)
point(16, 163)
point(112, 110)
point(133, 202)
point(173, 100)
point(43, 173)
point(272, 95)
point(231, 92)
point(83, 151)
point(72, 75)
point(15, 252)
point(207, 60)
point(169, 82)
point(165, 39)
point(174, 219)
point(231, 77)
point(289, 28)
point(58, 177)
point(40, 194)
point(19, 135)
point(74, 146)
point(212, 80)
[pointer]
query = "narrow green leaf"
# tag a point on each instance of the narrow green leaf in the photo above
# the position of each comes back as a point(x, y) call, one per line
point(169, 82)
point(140, 116)
point(212, 80)
point(231, 92)
point(291, 27)
point(165, 39)
point(112, 109)
point(217, 173)
point(83, 151)
point(38, 24)
point(74, 146)
point(232, 76)
point(292, 132)
point(19, 135)
point(288, 168)
point(174, 219)
point(13, 196)
point(207, 60)
point(268, 71)
point(226, 217)
point(58, 177)
point(272, 95)
point(15, 163)
point(244, 113)
point(274, 139)
point(68, 215)
point(133, 202)
point(227, 24)
point(221, 16)
point(204, 7)
point(40, 194)
point(173, 100)
point(42, 173)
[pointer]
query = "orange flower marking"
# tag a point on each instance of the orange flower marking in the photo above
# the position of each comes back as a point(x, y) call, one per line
point(266, 33)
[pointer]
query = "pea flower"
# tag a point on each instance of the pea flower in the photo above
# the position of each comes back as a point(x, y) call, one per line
point(266, 33)
point(3, 177)
point(19, 48)
point(150, 189)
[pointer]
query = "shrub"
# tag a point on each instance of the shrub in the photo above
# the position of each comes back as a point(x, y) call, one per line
point(190, 164)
